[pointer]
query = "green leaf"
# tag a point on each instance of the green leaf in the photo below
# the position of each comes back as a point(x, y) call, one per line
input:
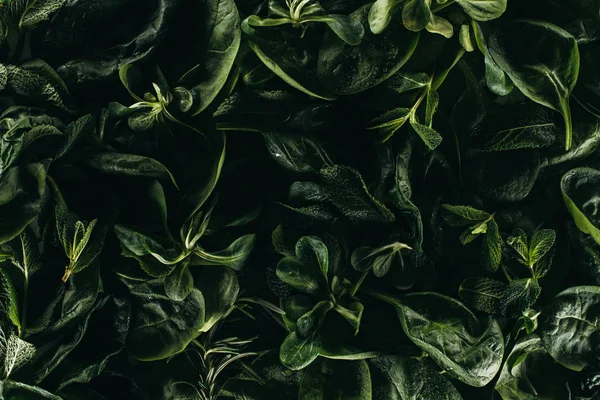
point(467, 348)
point(492, 247)
point(529, 373)
point(10, 390)
point(16, 142)
point(430, 136)
point(344, 69)
point(179, 283)
point(289, 60)
point(15, 352)
point(578, 188)
point(312, 251)
point(519, 295)
point(542, 60)
point(483, 10)
point(351, 313)
point(37, 80)
point(464, 215)
point(497, 80)
point(37, 12)
point(381, 13)
point(380, 259)
point(128, 165)
point(440, 26)
point(349, 194)
point(483, 294)
point(519, 242)
point(403, 81)
point(400, 377)
point(9, 301)
point(433, 100)
point(162, 327)
point(74, 132)
point(336, 379)
point(296, 153)
point(298, 353)
point(220, 289)
point(309, 323)
point(569, 327)
point(234, 256)
point(465, 38)
point(541, 244)
point(154, 259)
point(88, 249)
point(389, 122)
point(221, 28)
point(22, 189)
point(524, 127)
point(346, 28)
point(300, 276)
point(416, 14)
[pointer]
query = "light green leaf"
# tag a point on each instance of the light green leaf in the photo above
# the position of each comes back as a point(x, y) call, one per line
point(381, 13)
point(465, 38)
point(541, 243)
point(483, 10)
point(234, 256)
point(440, 26)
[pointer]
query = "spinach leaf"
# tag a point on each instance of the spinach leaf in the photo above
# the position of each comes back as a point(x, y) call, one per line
point(344, 69)
point(542, 60)
point(467, 348)
point(569, 327)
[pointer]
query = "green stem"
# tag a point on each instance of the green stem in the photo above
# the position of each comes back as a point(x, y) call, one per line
point(413, 110)
point(568, 125)
point(439, 79)
point(359, 283)
point(24, 304)
point(380, 296)
point(506, 275)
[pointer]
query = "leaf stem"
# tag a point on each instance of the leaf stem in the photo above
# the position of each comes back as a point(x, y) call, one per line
point(568, 125)
point(384, 297)
point(360, 281)
point(24, 304)
point(506, 275)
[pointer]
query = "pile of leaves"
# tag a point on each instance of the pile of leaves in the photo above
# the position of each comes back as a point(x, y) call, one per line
point(299, 199)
